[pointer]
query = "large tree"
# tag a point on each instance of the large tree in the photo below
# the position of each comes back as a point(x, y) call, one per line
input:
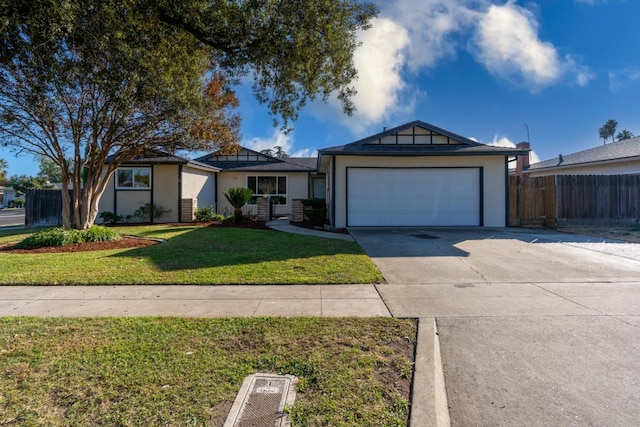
point(83, 80)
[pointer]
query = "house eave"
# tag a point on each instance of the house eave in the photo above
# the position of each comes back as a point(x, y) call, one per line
point(532, 169)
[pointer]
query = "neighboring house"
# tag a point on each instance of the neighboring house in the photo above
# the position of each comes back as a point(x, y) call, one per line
point(7, 194)
point(417, 175)
point(282, 179)
point(622, 157)
point(168, 181)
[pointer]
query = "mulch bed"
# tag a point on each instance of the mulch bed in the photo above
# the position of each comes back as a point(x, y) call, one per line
point(125, 243)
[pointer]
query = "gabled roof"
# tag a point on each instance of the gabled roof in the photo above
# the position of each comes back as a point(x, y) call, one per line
point(157, 157)
point(418, 138)
point(247, 160)
point(628, 149)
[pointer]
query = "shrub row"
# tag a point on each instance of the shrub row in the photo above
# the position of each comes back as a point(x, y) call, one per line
point(59, 237)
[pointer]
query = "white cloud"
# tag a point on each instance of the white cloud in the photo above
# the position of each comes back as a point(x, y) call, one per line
point(620, 79)
point(503, 141)
point(509, 47)
point(409, 37)
point(280, 139)
point(432, 26)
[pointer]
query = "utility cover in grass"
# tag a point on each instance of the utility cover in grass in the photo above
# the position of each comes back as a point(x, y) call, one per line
point(261, 401)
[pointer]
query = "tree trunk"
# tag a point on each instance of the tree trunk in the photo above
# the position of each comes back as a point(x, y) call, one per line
point(237, 215)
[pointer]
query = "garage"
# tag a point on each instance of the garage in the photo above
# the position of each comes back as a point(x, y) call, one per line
point(414, 175)
point(414, 196)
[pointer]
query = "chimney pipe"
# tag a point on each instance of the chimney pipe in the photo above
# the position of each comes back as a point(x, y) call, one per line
point(522, 162)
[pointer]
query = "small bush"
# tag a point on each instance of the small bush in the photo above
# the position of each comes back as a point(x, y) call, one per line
point(314, 203)
point(206, 214)
point(16, 203)
point(110, 217)
point(99, 234)
point(59, 237)
point(149, 212)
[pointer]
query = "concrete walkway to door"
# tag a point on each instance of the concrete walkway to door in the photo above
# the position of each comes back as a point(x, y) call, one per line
point(532, 324)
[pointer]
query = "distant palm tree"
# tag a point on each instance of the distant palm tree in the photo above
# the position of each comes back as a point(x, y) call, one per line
point(624, 134)
point(603, 135)
point(611, 126)
point(267, 152)
point(238, 197)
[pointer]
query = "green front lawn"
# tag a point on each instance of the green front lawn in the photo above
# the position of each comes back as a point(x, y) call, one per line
point(196, 255)
point(179, 372)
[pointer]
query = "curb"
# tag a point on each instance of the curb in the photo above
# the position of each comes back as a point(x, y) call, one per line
point(428, 395)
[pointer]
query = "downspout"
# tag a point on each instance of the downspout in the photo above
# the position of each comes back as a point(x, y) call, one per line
point(153, 180)
point(333, 190)
point(506, 190)
point(215, 191)
point(179, 193)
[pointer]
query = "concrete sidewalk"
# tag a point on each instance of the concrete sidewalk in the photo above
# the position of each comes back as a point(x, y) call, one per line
point(283, 224)
point(192, 301)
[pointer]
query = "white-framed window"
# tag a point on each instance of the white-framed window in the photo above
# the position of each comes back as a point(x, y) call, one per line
point(273, 186)
point(130, 178)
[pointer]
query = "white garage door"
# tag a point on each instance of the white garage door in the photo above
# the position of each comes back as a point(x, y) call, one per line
point(413, 197)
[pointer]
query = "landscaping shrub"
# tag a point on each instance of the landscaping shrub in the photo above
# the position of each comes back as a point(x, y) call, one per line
point(109, 217)
point(206, 214)
point(315, 210)
point(59, 237)
point(99, 234)
point(150, 212)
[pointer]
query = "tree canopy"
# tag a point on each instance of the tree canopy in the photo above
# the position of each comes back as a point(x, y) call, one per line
point(83, 80)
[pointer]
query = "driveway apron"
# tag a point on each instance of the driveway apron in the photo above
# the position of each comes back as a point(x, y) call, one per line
point(535, 327)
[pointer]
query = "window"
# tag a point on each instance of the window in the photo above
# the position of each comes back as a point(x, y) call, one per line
point(133, 178)
point(273, 186)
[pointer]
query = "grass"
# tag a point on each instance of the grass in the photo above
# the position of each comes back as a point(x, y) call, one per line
point(179, 372)
point(196, 255)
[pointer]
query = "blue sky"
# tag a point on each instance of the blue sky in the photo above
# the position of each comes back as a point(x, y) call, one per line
point(479, 68)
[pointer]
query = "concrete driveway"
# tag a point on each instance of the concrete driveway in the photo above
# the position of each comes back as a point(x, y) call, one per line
point(534, 327)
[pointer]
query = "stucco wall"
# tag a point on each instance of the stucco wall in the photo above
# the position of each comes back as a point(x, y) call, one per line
point(164, 183)
point(166, 190)
point(199, 184)
point(297, 188)
point(614, 168)
point(494, 191)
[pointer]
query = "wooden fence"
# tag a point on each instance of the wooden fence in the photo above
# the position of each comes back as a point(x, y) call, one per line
point(532, 201)
point(43, 208)
point(574, 200)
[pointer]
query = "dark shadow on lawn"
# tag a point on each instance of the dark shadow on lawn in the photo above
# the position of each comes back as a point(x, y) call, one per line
point(206, 247)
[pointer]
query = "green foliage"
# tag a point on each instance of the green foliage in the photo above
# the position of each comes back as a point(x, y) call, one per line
point(21, 183)
point(78, 77)
point(150, 212)
point(109, 217)
point(238, 196)
point(315, 210)
point(314, 203)
point(59, 237)
point(206, 214)
point(99, 234)
point(16, 203)
point(3, 172)
point(49, 170)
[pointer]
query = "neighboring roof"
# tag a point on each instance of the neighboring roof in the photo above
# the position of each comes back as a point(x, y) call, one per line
point(265, 164)
point(160, 157)
point(629, 149)
point(454, 145)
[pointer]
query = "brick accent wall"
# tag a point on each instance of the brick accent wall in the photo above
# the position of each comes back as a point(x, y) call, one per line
point(297, 210)
point(188, 208)
point(263, 209)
